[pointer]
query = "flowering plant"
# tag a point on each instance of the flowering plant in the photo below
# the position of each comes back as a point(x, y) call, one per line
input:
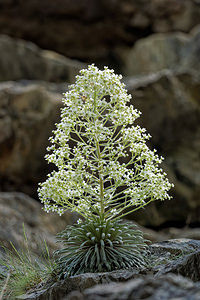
point(105, 171)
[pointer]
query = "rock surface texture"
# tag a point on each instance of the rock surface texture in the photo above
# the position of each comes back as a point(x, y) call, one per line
point(175, 51)
point(180, 256)
point(24, 60)
point(149, 283)
point(166, 287)
point(90, 30)
point(27, 117)
point(18, 210)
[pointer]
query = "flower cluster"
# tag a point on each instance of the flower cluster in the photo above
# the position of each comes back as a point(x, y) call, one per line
point(103, 163)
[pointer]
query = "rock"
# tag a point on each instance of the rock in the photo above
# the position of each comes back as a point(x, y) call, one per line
point(185, 232)
point(176, 51)
point(78, 283)
point(179, 256)
point(28, 113)
point(158, 235)
point(165, 258)
point(166, 287)
point(17, 209)
point(171, 112)
point(24, 60)
point(90, 30)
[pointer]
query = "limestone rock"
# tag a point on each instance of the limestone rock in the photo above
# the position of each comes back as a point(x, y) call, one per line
point(163, 234)
point(24, 60)
point(28, 113)
point(90, 30)
point(166, 287)
point(78, 283)
point(181, 256)
point(165, 258)
point(185, 232)
point(17, 209)
point(176, 51)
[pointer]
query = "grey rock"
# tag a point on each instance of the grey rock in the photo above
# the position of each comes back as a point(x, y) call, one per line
point(28, 112)
point(79, 282)
point(18, 210)
point(186, 232)
point(24, 60)
point(175, 51)
point(166, 287)
point(174, 256)
point(181, 256)
point(155, 235)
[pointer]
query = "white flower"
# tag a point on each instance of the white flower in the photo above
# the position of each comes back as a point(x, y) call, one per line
point(101, 157)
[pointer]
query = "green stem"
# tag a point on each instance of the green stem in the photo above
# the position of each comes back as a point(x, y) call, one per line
point(131, 211)
point(100, 181)
point(100, 169)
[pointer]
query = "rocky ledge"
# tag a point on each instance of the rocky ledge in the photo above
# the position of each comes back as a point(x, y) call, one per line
point(173, 272)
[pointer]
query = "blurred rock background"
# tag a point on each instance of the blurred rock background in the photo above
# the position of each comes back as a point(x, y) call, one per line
point(156, 46)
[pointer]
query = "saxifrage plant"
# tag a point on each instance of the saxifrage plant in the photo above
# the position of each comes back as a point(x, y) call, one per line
point(105, 171)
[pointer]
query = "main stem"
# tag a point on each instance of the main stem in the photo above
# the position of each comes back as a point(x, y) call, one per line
point(101, 190)
point(100, 181)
